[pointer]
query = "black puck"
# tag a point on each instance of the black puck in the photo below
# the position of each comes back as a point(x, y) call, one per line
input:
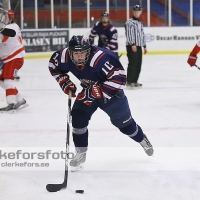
point(79, 191)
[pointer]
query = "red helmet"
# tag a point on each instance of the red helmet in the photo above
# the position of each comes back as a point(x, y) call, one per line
point(10, 14)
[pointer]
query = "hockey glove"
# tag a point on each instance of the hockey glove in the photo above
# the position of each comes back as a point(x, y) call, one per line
point(66, 84)
point(88, 95)
point(192, 60)
point(193, 56)
point(1, 64)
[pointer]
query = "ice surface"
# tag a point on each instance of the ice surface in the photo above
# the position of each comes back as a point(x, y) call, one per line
point(167, 108)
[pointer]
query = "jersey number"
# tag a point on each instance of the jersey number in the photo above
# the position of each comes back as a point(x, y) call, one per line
point(108, 67)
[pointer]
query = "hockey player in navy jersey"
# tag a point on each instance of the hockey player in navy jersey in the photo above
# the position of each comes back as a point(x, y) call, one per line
point(106, 32)
point(102, 78)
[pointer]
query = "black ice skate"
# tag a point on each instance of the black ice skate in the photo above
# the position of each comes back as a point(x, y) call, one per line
point(138, 84)
point(131, 85)
point(77, 163)
point(13, 107)
point(9, 108)
point(20, 104)
point(148, 148)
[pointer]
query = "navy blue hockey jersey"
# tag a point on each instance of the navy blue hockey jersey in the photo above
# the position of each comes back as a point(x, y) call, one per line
point(107, 36)
point(103, 67)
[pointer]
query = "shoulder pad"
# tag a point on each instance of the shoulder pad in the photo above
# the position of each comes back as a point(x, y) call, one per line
point(97, 57)
point(112, 28)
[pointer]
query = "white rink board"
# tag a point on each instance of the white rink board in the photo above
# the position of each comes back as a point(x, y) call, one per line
point(159, 39)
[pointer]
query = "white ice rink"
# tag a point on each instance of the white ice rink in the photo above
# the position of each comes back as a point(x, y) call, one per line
point(167, 108)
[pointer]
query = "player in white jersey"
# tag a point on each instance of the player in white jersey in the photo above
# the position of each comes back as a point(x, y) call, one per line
point(11, 60)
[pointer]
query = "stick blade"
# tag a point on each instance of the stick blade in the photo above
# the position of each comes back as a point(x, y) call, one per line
point(54, 187)
point(9, 32)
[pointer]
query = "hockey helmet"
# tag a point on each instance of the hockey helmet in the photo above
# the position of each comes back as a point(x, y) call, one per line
point(10, 14)
point(137, 8)
point(105, 14)
point(79, 43)
point(105, 18)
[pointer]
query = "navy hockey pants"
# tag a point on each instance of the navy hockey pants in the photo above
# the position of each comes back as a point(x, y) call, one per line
point(117, 109)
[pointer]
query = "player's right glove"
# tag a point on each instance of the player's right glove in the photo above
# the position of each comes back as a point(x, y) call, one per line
point(66, 84)
point(193, 56)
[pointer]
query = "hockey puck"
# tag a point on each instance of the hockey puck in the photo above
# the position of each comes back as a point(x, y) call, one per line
point(79, 191)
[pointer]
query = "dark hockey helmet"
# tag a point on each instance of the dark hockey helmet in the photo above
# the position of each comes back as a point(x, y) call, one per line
point(79, 43)
point(137, 8)
point(105, 18)
point(104, 14)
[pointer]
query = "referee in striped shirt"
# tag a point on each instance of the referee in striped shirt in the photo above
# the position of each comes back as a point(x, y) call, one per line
point(135, 40)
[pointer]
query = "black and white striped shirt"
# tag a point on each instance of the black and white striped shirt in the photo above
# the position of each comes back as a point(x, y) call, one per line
point(135, 33)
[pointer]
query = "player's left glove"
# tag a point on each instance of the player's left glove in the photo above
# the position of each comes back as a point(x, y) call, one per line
point(88, 95)
point(192, 60)
point(193, 56)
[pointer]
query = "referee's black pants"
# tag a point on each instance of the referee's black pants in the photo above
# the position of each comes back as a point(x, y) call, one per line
point(134, 64)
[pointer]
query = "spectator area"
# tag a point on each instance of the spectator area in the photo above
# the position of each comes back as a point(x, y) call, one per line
point(159, 11)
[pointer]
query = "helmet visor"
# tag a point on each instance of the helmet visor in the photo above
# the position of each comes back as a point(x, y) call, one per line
point(80, 57)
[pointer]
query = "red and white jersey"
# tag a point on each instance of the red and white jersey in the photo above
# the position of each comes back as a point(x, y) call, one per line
point(11, 47)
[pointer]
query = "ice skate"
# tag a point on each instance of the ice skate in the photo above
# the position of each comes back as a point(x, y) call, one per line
point(77, 163)
point(148, 148)
point(20, 104)
point(10, 108)
point(13, 107)
point(138, 84)
point(131, 86)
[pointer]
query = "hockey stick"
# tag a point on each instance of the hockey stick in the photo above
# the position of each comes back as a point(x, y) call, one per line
point(58, 187)
point(16, 6)
point(197, 66)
